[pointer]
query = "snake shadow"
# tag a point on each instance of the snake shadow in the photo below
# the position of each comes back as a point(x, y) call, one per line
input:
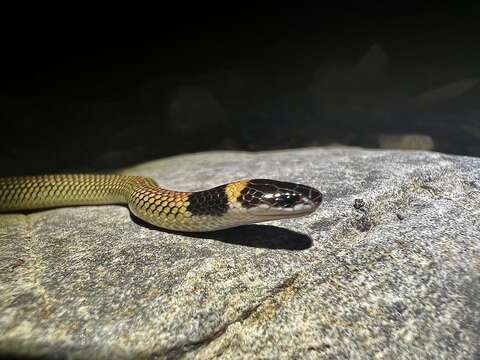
point(258, 236)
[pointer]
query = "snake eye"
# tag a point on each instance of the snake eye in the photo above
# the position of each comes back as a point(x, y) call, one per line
point(286, 200)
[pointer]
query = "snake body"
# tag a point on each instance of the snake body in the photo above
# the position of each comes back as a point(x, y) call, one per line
point(229, 205)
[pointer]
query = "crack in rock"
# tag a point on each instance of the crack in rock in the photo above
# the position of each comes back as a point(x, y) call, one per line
point(182, 349)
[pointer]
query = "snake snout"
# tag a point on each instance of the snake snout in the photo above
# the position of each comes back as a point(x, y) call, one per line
point(310, 195)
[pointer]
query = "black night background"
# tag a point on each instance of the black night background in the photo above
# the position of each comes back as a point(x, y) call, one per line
point(96, 94)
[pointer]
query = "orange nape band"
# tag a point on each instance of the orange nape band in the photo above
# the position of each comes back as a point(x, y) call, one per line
point(234, 190)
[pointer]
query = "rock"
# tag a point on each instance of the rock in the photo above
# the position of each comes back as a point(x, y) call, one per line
point(388, 267)
point(193, 109)
point(406, 141)
point(358, 89)
point(364, 92)
point(115, 158)
point(446, 92)
point(373, 67)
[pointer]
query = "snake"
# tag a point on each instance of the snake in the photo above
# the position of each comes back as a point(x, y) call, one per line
point(232, 204)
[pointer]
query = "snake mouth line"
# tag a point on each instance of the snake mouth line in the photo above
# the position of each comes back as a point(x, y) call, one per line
point(282, 215)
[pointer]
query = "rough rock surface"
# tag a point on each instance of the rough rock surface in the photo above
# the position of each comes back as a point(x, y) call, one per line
point(388, 267)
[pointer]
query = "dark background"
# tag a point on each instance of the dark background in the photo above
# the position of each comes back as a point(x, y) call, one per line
point(96, 94)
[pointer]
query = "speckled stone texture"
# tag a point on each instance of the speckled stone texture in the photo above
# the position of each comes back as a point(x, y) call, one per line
point(388, 267)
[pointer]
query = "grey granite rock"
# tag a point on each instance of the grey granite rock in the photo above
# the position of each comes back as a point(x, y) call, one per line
point(387, 268)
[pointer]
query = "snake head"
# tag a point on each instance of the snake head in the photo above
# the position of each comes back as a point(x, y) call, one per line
point(276, 199)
